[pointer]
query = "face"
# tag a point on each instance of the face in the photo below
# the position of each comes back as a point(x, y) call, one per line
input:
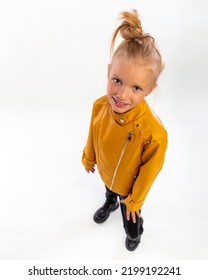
point(128, 84)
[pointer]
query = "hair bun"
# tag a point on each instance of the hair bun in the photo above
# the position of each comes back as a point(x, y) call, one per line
point(136, 44)
point(130, 28)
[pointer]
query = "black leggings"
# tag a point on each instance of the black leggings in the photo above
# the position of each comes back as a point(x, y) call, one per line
point(133, 230)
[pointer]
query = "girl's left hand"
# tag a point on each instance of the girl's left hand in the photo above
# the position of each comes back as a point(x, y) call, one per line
point(132, 214)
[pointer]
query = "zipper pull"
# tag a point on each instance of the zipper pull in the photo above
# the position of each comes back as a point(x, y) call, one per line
point(130, 136)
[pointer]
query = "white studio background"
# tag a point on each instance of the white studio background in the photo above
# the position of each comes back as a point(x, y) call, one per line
point(53, 65)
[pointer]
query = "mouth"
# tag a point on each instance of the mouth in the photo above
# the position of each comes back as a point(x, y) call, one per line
point(119, 103)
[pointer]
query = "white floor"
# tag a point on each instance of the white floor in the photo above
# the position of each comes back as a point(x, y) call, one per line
point(47, 200)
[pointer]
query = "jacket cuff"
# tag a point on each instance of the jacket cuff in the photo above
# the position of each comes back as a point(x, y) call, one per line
point(88, 164)
point(131, 205)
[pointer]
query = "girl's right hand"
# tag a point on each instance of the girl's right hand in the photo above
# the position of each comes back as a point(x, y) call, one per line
point(91, 169)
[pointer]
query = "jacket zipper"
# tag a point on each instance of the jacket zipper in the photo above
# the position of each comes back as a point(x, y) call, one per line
point(120, 158)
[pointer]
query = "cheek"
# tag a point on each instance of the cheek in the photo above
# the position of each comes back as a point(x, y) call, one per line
point(136, 99)
point(110, 89)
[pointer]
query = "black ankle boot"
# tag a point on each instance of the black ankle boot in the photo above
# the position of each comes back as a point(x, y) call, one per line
point(103, 213)
point(132, 244)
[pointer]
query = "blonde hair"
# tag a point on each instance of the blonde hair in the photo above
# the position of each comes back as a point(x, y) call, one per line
point(136, 45)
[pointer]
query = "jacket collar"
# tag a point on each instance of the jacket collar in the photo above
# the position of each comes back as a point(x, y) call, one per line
point(131, 115)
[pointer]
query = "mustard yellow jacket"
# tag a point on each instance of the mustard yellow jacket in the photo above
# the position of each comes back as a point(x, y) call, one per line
point(129, 149)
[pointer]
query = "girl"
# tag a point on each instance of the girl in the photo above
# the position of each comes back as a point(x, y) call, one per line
point(126, 139)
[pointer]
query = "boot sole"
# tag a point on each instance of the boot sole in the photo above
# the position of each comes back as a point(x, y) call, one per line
point(133, 248)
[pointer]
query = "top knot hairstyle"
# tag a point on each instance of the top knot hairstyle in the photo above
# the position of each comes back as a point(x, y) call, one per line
point(136, 44)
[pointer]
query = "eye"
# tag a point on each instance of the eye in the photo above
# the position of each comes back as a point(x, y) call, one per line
point(137, 88)
point(116, 81)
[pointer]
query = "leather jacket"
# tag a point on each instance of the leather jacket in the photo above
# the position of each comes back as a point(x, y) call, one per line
point(129, 149)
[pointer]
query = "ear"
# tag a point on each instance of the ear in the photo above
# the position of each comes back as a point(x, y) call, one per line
point(109, 68)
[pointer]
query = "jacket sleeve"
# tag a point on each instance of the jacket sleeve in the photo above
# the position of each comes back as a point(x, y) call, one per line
point(152, 157)
point(88, 155)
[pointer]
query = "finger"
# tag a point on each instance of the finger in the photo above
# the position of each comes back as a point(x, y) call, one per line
point(127, 214)
point(133, 215)
point(138, 214)
point(92, 169)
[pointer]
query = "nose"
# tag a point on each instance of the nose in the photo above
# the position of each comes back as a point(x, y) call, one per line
point(123, 93)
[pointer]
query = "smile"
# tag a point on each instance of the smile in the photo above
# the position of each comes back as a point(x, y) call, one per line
point(119, 103)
